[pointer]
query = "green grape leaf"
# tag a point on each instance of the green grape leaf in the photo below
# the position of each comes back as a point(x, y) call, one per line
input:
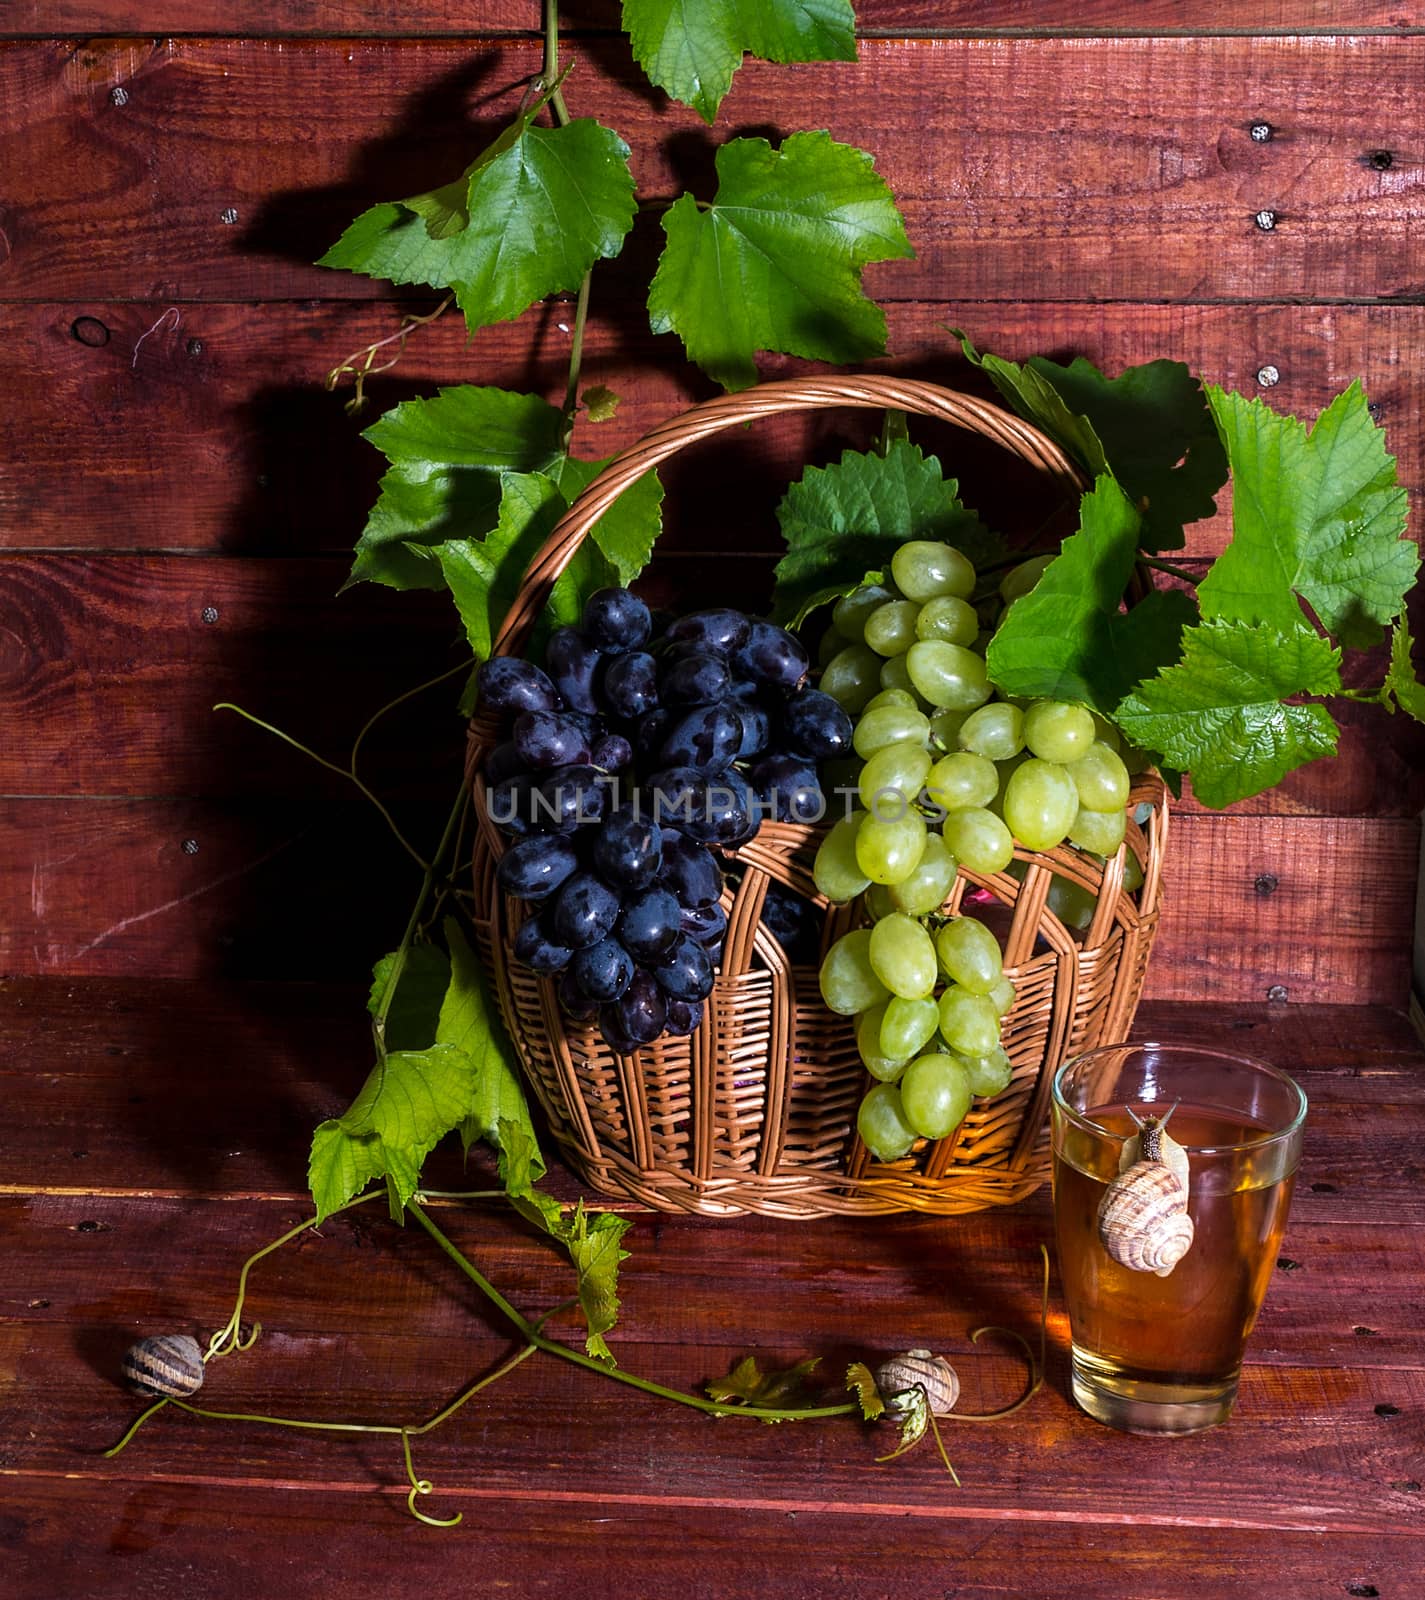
point(1067, 639)
point(692, 51)
point(1317, 515)
point(522, 1166)
point(843, 521)
point(1218, 714)
point(484, 575)
point(415, 1006)
point(408, 1102)
point(527, 219)
point(862, 1383)
point(747, 1385)
point(1151, 427)
point(449, 455)
point(775, 262)
point(1402, 687)
point(594, 1249)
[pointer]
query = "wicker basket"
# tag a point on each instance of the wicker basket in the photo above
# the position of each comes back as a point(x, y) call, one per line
point(756, 1111)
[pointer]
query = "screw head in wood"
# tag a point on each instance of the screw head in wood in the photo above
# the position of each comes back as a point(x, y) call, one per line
point(1266, 220)
point(1268, 377)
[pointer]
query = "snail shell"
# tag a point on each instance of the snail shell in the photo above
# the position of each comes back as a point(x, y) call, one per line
point(170, 1365)
point(902, 1375)
point(1143, 1220)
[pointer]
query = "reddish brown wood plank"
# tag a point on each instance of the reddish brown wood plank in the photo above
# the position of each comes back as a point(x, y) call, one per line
point(105, 887)
point(376, 1325)
point(112, 665)
point(1037, 190)
point(435, 18)
point(204, 434)
point(115, 1540)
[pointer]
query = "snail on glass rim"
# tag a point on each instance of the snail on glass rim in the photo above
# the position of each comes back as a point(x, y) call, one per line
point(1142, 1218)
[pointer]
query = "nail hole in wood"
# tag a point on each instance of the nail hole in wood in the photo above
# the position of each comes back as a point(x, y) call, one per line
point(89, 331)
point(1323, 1188)
point(1286, 1264)
point(1261, 132)
point(1266, 883)
point(1385, 1409)
point(1381, 160)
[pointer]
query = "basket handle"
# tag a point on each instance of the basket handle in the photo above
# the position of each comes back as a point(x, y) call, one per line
point(765, 400)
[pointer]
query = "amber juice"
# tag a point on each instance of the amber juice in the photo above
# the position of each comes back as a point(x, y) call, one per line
point(1176, 1341)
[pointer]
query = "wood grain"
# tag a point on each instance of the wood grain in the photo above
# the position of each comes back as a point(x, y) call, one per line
point(132, 428)
point(1038, 194)
point(310, 888)
point(436, 18)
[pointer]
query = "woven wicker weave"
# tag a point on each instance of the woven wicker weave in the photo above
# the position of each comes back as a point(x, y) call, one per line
point(756, 1111)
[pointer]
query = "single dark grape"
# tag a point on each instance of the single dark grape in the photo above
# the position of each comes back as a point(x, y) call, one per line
point(815, 725)
point(714, 950)
point(684, 973)
point(547, 739)
point(706, 924)
point(616, 620)
point(573, 1001)
point(706, 739)
point(721, 631)
point(787, 789)
point(771, 655)
point(756, 730)
point(536, 866)
point(570, 797)
point(638, 1014)
point(628, 850)
point(509, 805)
point(670, 794)
point(696, 679)
point(510, 684)
point(537, 945)
point(682, 1017)
point(584, 911)
point(629, 684)
point(690, 870)
point(501, 763)
point(722, 810)
point(788, 918)
point(649, 731)
point(571, 663)
point(610, 752)
point(650, 923)
point(602, 971)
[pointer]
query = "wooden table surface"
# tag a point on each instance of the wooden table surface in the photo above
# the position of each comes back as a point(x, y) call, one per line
point(155, 1136)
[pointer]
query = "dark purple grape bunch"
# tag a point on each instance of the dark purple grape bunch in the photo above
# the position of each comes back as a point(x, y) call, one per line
point(629, 757)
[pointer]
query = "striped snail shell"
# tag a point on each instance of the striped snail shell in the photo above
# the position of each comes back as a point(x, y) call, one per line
point(169, 1365)
point(1142, 1219)
point(899, 1378)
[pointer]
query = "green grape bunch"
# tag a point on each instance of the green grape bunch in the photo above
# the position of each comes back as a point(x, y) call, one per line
point(946, 775)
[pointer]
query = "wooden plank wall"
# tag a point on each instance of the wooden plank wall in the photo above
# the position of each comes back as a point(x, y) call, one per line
point(178, 489)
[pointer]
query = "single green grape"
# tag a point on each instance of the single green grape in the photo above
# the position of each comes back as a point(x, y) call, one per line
point(907, 1025)
point(1055, 730)
point(969, 954)
point(1040, 803)
point(925, 890)
point(835, 871)
point(950, 618)
point(890, 628)
point(948, 675)
point(961, 779)
point(878, 903)
point(935, 1095)
point(1105, 732)
point(969, 1023)
point(888, 849)
point(1071, 902)
point(896, 770)
point(1018, 581)
point(891, 697)
point(903, 956)
point(868, 1042)
point(945, 726)
point(849, 614)
point(894, 675)
point(881, 1122)
point(978, 840)
point(885, 725)
point(1002, 996)
point(848, 981)
point(1132, 872)
point(831, 645)
point(989, 1074)
point(995, 731)
point(924, 568)
point(852, 677)
point(1099, 831)
point(1100, 778)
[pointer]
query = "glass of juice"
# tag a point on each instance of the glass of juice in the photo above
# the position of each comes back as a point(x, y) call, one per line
point(1173, 1171)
